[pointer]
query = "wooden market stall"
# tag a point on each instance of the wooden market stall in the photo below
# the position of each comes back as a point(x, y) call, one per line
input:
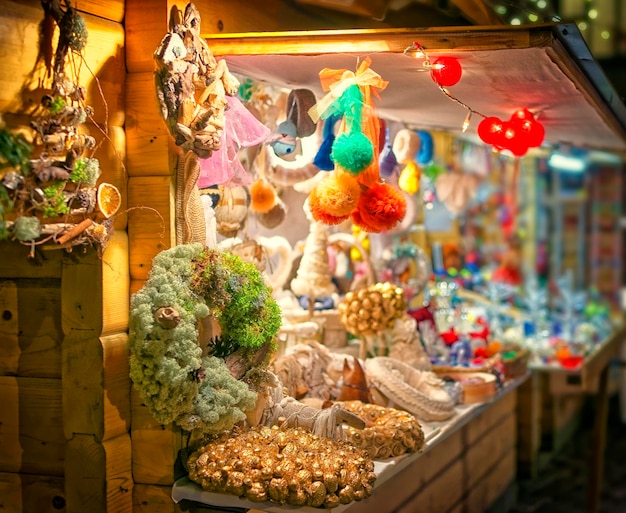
point(78, 437)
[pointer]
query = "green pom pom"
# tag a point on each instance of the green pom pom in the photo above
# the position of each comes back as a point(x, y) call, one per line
point(353, 152)
point(27, 228)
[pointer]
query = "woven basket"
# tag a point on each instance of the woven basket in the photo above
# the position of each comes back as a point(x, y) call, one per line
point(516, 366)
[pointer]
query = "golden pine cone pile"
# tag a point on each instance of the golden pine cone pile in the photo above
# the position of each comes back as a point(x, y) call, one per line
point(388, 432)
point(284, 466)
point(371, 310)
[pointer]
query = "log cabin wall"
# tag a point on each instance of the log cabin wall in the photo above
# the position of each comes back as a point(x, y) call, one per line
point(64, 387)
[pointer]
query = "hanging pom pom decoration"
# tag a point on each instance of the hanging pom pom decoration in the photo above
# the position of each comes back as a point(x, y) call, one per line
point(446, 71)
point(262, 196)
point(319, 213)
point(352, 150)
point(338, 193)
point(380, 208)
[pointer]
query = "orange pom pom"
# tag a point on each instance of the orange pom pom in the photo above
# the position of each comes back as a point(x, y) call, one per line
point(338, 193)
point(319, 213)
point(262, 196)
point(358, 221)
point(382, 207)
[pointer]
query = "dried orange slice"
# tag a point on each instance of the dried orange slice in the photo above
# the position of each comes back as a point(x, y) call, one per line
point(109, 199)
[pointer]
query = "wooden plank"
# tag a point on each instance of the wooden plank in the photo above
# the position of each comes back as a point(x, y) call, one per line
point(441, 494)
point(9, 328)
point(15, 263)
point(109, 9)
point(490, 417)
point(40, 331)
point(529, 426)
point(488, 450)
point(311, 42)
point(115, 284)
point(22, 493)
point(98, 476)
point(418, 476)
point(96, 386)
point(155, 446)
point(147, 136)
point(487, 491)
point(153, 499)
point(136, 285)
point(31, 426)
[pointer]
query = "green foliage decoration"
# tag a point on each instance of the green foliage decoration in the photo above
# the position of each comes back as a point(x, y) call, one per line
point(178, 383)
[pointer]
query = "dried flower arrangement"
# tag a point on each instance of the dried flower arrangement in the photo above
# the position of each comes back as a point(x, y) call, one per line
point(204, 386)
point(48, 184)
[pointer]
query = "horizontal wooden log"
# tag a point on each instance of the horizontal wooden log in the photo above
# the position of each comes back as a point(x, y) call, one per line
point(115, 284)
point(31, 426)
point(153, 499)
point(96, 386)
point(40, 331)
point(98, 476)
point(150, 223)
point(146, 132)
point(15, 262)
point(21, 76)
point(81, 296)
point(21, 493)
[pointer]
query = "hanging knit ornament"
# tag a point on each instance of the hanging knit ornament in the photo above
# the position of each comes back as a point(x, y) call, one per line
point(322, 158)
point(262, 196)
point(352, 150)
point(409, 179)
point(381, 207)
point(338, 193)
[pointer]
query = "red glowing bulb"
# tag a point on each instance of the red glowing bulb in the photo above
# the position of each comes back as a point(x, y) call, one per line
point(514, 139)
point(446, 71)
point(490, 129)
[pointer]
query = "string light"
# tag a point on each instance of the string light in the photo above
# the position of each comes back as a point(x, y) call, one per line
point(520, 133)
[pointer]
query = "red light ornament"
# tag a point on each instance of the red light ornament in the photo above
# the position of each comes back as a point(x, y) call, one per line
point(490, 129)
point(517, 135)
point(446, 71)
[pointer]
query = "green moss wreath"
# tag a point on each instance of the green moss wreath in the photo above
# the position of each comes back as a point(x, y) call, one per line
point(178, 384)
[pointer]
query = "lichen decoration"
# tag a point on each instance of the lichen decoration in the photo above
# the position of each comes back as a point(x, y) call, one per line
point(188, 283)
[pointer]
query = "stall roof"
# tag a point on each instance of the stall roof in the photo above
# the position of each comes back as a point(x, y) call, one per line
point(545, 68)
